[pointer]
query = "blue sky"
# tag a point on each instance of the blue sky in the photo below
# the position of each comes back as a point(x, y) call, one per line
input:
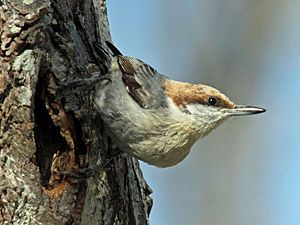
point(247, 171)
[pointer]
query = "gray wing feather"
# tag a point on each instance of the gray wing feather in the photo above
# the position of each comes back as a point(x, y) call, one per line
point(143, 83)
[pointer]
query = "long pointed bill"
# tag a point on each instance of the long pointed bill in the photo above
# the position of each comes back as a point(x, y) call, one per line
point(242, 110)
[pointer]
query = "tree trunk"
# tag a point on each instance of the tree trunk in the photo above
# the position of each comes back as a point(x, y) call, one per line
point(47, 130)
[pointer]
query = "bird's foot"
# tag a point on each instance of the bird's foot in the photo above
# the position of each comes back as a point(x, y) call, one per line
point(83, 174)
point(85, 81)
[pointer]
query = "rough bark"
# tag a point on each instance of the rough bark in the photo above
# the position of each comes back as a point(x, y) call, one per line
point(47, 129)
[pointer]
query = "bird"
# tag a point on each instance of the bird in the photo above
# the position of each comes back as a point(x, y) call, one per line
point(154, 118)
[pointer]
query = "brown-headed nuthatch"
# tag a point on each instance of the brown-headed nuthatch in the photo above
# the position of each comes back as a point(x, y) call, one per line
point(155, 119)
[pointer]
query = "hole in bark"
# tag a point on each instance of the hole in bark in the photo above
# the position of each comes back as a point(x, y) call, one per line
point(47, 137)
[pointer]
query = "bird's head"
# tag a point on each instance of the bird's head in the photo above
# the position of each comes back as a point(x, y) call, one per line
point(207, 106)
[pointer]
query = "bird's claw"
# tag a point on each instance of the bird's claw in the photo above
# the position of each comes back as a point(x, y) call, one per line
point(85, 81)
point(79, 175)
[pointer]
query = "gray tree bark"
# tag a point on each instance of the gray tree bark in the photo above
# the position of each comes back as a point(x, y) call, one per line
point(46, 129)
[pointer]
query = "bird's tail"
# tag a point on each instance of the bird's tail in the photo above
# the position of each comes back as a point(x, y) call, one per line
point(113, 49)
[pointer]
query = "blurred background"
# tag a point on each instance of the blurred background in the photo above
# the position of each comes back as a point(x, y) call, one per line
point(247, 172)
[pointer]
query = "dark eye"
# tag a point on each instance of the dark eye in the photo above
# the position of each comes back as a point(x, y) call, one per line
point(212, 101)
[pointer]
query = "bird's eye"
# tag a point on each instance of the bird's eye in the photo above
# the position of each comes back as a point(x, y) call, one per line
point(212, 101)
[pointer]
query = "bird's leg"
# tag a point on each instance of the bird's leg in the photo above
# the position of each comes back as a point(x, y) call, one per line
point(85, 173)
point(85, 81)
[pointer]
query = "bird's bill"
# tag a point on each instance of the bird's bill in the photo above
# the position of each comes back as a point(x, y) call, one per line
point(242, 110)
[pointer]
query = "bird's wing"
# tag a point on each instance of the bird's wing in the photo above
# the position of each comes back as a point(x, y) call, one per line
point(143, 83)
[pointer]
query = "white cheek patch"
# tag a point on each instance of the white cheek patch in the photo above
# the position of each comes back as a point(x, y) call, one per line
point(205, 114)
point(198, 109)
